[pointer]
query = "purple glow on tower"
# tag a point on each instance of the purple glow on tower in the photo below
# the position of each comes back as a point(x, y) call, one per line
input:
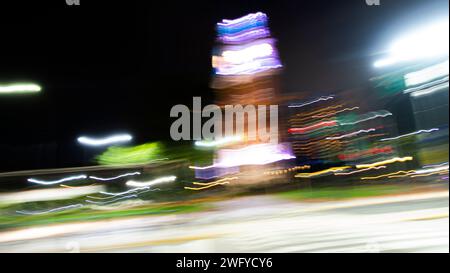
point(247, 47)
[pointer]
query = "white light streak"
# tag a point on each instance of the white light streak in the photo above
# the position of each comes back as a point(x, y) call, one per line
point(112, 201)
point(248, 54)
point(435, 165)
point(115, 177)
point(257, 154)
point(219, 142)
point(153, 182)
point(311, 102)
point(362, 170)
point(52, 210)
point(430, 170)
point(19, 88)
point(351, 134)
point(367, 119)
point(124, 192)
point(427, 74)
point(113, 196)
point(105, 141)
point(410, 134)
point(70, 178)
point(430, 90)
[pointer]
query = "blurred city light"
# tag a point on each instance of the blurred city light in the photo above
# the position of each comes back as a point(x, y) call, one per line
point(153, 182)
point(410, 134)
point(20, 88)
point(47, 194)
point(428, 42)
point(52, 182)
point(114, 177)
point(144, 153)
point(215, 143)
point(50, 210)
point(105, 141)
point(247, 47)
point(417, 92)
point(427, 74)
point(358, 164)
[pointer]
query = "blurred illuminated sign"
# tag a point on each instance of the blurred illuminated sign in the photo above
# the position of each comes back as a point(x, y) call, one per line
point(427, 74)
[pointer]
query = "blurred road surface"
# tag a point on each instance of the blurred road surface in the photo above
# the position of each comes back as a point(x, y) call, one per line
point(406, 223)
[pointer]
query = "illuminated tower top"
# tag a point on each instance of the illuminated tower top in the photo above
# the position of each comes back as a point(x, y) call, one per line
point(245, 46)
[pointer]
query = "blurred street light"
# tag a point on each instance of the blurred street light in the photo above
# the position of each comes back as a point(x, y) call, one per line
point(19, 88)
point(104, 141)
point(429, 42)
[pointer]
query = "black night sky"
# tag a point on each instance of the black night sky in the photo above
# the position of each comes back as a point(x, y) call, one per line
point(119, 66)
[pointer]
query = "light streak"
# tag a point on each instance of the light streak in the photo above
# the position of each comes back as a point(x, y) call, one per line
point(312, 127)
point(153, 182)
point(384, 162)
point(202, 168)
point(248, 54)
point(308, 114)
point(436, 169)
point(105, 141)
point(257, 33)
point(70, 178)
point(260, 55)
point(296, 168)
point(430, 90)
point(19, 88)
point(376, 135)
point(112, 201)
point(435, 85)
point(215, 182)
point(226, 23)
point(373, 151)
point(211, 183)
point(374, 116)
point(313, 146)
point(336, 112)
point(428, 174)
point(258, 154)
point(330, 170)
point(324, 98)
point(250, 68)
point(242, 25)
point(76, 187)
point(400, 175)
point(351, 134)
point(410, 134)
point(359, 171)
point(124, 192)
point(113, 196)
point(223, 141)
point(387, 175)
point(216, 172)
point(50, 211)
point(115, 177)
point(206, 187)
point(427, 74)
point(435, 165)
point(413, 173)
